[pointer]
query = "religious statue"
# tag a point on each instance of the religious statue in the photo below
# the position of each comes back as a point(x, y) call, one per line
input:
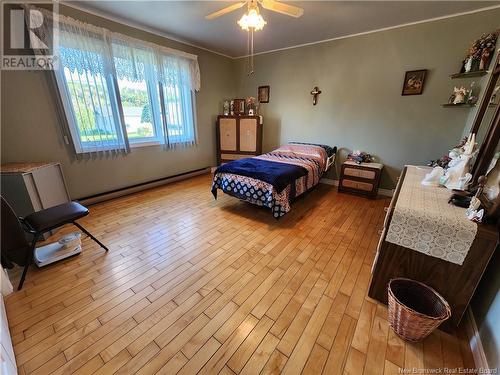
point(457, 174)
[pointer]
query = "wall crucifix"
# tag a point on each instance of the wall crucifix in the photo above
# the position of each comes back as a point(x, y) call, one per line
point(315, 93)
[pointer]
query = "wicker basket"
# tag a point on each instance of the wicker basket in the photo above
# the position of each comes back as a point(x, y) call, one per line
point(415, 309)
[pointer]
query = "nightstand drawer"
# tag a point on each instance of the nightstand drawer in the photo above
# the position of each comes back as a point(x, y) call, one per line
point(354, 172)
point(364, 186)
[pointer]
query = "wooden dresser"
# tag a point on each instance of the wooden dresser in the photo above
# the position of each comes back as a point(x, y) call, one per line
point(238, 137)
point(455, 282)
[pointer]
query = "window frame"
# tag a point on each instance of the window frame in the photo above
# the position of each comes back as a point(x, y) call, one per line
point(156, 98)
point(153, 99)
point(82, 147)
point(183, 91)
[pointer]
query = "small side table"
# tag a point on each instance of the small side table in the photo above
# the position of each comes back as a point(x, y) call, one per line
point(363, 179)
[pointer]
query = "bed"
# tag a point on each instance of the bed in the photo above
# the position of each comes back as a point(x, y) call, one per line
point(274, 179)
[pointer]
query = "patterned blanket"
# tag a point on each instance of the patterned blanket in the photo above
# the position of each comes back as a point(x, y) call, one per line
point(248, 187)
point(275, 173)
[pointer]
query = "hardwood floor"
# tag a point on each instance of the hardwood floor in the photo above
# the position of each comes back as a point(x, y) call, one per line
point(192, 285)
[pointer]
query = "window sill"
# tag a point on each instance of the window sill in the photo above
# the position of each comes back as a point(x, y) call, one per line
point(144, 144)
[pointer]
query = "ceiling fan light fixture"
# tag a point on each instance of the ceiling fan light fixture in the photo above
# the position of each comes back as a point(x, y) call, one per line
point(252, 20)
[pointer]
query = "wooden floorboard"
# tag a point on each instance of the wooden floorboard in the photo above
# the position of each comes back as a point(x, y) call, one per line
point(197, 285)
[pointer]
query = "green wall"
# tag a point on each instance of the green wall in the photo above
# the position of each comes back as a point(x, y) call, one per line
point(361, 78)
point(30, 129)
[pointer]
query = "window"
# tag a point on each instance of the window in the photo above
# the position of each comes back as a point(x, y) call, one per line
point(177, 102)
point(89, 100)
point(118, 91)
point(137, 112)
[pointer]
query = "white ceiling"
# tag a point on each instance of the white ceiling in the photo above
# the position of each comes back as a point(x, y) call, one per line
point(184, 20)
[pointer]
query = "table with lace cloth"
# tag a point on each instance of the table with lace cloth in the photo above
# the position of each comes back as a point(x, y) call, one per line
point(424, 221)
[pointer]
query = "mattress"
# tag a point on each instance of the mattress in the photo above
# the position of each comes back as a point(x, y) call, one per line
point(274, 179)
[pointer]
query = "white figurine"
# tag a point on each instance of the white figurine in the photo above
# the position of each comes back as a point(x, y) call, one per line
point(455, 176)
point(433, 178)
point(460, 94)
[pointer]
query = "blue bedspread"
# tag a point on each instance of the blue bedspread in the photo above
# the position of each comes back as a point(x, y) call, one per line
point(279, 175)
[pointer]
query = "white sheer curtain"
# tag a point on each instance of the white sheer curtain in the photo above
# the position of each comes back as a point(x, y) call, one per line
point(97, 67)
point(178, 100)
point(86, 80)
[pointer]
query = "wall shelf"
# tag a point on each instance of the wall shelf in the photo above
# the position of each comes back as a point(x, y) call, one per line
point(462, 105)
point(466, 105)
point(477, 73)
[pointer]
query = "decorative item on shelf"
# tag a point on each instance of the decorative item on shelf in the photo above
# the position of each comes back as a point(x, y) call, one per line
point(263, 94)
point(459, 95)
point(231, 112)
point(414, 82)
point(480, 53)
point(493, 99)
point(250, 105)
point(239, 107)
point(315, 93)
point(359, 157)
point(472, 95)
point(226, 107)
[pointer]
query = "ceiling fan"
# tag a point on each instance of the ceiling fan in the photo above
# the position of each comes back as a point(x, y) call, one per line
point(271, 5)
point(252, 20)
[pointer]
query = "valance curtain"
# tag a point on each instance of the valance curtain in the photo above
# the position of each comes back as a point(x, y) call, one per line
point(95, 62)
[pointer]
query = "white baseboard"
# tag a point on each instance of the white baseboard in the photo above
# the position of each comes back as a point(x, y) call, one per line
point(475, 343)
point(329, 181)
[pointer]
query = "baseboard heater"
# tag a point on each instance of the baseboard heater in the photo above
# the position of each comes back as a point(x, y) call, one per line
point(140, 187)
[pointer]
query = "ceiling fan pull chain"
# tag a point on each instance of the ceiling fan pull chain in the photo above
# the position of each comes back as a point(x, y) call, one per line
point(248, 53)
point(251, 52)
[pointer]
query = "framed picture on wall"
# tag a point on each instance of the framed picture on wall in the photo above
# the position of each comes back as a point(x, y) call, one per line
point(263, 92)
point(414, 82)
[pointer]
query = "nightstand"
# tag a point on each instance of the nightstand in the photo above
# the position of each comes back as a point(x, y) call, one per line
point(361, 178)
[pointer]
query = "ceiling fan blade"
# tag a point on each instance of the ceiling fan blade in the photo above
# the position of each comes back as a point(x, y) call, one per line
point(226, 10)
point(289, 10)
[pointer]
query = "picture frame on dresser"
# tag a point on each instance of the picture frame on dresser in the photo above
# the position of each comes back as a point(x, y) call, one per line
point(239, 107)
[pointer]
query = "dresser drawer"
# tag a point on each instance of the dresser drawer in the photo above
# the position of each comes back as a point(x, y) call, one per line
point(354, 172)
point(234, 156)
point(364, 186)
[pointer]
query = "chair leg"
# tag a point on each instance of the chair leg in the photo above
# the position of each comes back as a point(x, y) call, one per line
point(90, 235)
point(29, 260)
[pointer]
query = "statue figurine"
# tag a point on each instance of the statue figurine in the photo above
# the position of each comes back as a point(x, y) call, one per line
point(457, 175)
point(460, 95)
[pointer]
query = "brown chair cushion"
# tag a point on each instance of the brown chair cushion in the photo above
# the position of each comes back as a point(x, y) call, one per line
point(53, 217)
